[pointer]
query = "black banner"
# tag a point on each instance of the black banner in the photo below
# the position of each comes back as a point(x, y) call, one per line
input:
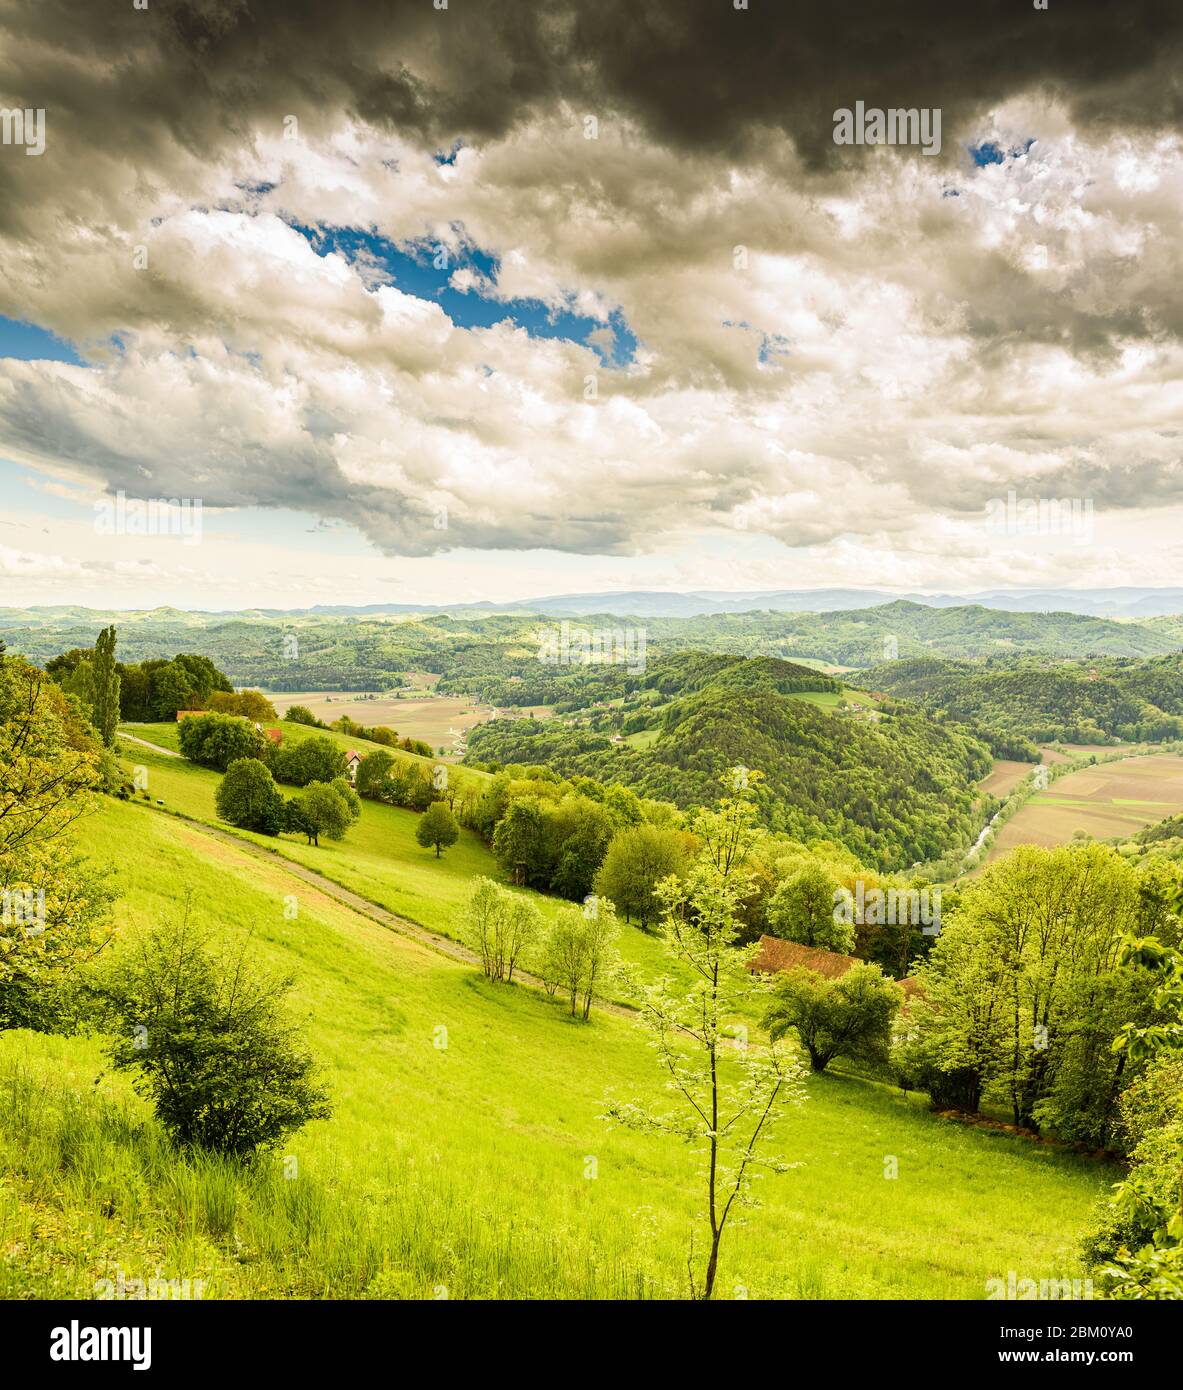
point(169, 1338)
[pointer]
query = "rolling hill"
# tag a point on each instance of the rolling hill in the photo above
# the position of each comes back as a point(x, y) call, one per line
point(497, 655)
point(1020, 703)
point(456, 1163)
point(894, 785)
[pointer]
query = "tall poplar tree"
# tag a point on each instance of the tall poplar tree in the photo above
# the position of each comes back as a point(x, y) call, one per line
point(105, 701)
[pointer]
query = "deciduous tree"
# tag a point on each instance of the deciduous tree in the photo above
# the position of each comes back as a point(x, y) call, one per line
point(217, 740)
point(53, 903)
point(318, 810)
point(637, 860)
point(248, 797)
point(727, 1099)
point(499, 926)
point(850, 1016)
point(579, 952)
point(437, 828)
point(802, 910)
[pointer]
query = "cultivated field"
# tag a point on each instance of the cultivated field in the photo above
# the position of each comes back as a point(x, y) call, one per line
point(1106, 801)
point(1071, 752)
point(1005, 776)
point(436, 719)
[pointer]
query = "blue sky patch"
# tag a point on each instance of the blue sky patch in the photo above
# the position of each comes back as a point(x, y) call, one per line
point(990, 152)
point(424, 269)
point(32, 344)
point(773, 346)
point(986, 153)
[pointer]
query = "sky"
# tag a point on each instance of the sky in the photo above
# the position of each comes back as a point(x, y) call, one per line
point(417, 304)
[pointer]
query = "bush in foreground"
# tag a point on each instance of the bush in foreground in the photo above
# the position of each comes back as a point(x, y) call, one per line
point(208, 1043)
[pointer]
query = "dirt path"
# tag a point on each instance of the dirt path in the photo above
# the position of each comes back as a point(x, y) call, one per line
point(442, 945)
point(143, 742)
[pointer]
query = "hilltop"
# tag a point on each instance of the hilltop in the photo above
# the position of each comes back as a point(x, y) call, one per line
point(1021, 702)
point(892, 784)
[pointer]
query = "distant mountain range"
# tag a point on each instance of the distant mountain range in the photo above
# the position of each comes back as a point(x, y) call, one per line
point(1093, 603)
point(1125, 602)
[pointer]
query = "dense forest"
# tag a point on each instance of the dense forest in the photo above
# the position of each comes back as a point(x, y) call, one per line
point(1017, 703)
point(897, 790)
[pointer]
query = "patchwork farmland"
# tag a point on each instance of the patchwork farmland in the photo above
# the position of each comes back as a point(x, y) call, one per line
point(443, 721)
point(1106, 801)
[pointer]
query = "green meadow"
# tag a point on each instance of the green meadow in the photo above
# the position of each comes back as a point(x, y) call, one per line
point(466, 1157)
point(380, 859)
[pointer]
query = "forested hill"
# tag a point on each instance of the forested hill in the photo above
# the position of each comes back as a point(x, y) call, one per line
point(866, 636)
point(682, 673)
point(1020, 703)
point(499, 656)
point(896, 790)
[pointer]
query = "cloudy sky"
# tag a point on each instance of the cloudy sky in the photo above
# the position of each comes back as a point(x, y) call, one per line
point(431, 304)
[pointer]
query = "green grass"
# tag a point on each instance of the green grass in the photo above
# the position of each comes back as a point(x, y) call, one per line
point(379, 857)
point(464, 1169)
point(167, 736)
point(823, 699)
point(163, 735)
point(849, 697)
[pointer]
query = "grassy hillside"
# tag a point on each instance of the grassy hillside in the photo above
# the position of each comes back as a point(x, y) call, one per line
point(379, 858)
point(464, 1170)
point(167, 736)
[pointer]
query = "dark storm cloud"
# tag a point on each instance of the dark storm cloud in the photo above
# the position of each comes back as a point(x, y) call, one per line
point(702, 73)
point(697, 73)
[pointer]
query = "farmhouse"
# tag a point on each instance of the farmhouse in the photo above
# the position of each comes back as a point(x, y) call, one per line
point(352, 763)
point(775, 955)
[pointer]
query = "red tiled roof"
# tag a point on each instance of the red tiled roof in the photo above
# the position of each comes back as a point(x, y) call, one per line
point(775, 954)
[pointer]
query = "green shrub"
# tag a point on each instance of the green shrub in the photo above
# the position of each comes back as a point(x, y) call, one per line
point(207, 1042)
